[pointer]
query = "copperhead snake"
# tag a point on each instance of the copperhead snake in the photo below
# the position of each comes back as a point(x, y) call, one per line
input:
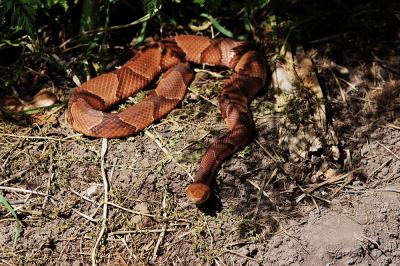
point(88, 102)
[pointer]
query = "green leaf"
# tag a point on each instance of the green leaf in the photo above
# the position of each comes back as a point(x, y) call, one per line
point(63, 3)
point(222, 29)
point(151, 6)
point(142, 34)
point(10, 209)
point(199, 2)
point(21, 13)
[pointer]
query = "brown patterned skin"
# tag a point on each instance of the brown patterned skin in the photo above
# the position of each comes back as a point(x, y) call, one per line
point(89, 101)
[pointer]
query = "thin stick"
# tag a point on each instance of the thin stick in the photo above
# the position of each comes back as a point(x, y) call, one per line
point(87, 217)
point(384, 65)
point(329, 181)
point(117, 27)
point(386, 180)
point(220, 262)
point(342, 93)
point(14, 177)
point(315, 204)
point(380, 168)
point(194, 142)
point(348, 83)
point(39, 137)
point(211, 237)
point(128, 249)
point(388, 190)
point(294, 237)
point(6, 263)
point(105, 203)
point(49, 181)
point(162, 234)
point(260, 193)
point(334, 36)
point(240, 255)
point(167, 152)
point(389, 150)
point(113, 168)
point(203, 97)
point(211, 73)
point(278, 162)
point(370, 240)
point(266, 151)
point(83, 197)
point(11, 149)
point(393, 126)
point(131, 211)
point(22, 190)
point(142, 231)
point(364, 100)
point(257, 187)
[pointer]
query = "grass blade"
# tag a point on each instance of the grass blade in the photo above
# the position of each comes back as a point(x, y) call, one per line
point(10, 209)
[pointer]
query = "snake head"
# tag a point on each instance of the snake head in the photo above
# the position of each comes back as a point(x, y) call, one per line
point(198, 193)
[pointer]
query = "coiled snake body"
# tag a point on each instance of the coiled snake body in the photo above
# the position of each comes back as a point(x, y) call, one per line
point(89, 101)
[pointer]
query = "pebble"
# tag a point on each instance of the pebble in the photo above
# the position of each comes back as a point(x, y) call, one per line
point(375, 253)
point(277, 243)
point(383, 260)
point(397, 165)
point(364, 150)
point(351, 261)
point(385, 171)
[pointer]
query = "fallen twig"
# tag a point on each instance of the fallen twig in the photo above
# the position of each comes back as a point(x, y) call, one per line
point(22, 190)
point(87, 217)
point(105, 203)
point(380, 168)
point(168, 153)
point(83, 197)
point(131, 211)
point(40, 137)
point(48, 184)
point(307, 191)
point(261, 191)
point(142, 231)
point(162, 233)
point(388, 190)
point(393, 126)
point(389, 150)
point(240, 255)
point(15, 176)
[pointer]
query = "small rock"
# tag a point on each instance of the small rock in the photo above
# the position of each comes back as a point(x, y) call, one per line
point(384, 260)
point(330, 173)
point(351, 261)
point(375, 253)
point(397, 164)
point(364, 150)
point(384, 171)
point(92, 190)
point(140, 220)
point(277, 243)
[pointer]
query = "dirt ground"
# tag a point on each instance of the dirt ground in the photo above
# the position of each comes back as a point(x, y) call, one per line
point(349, 215)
